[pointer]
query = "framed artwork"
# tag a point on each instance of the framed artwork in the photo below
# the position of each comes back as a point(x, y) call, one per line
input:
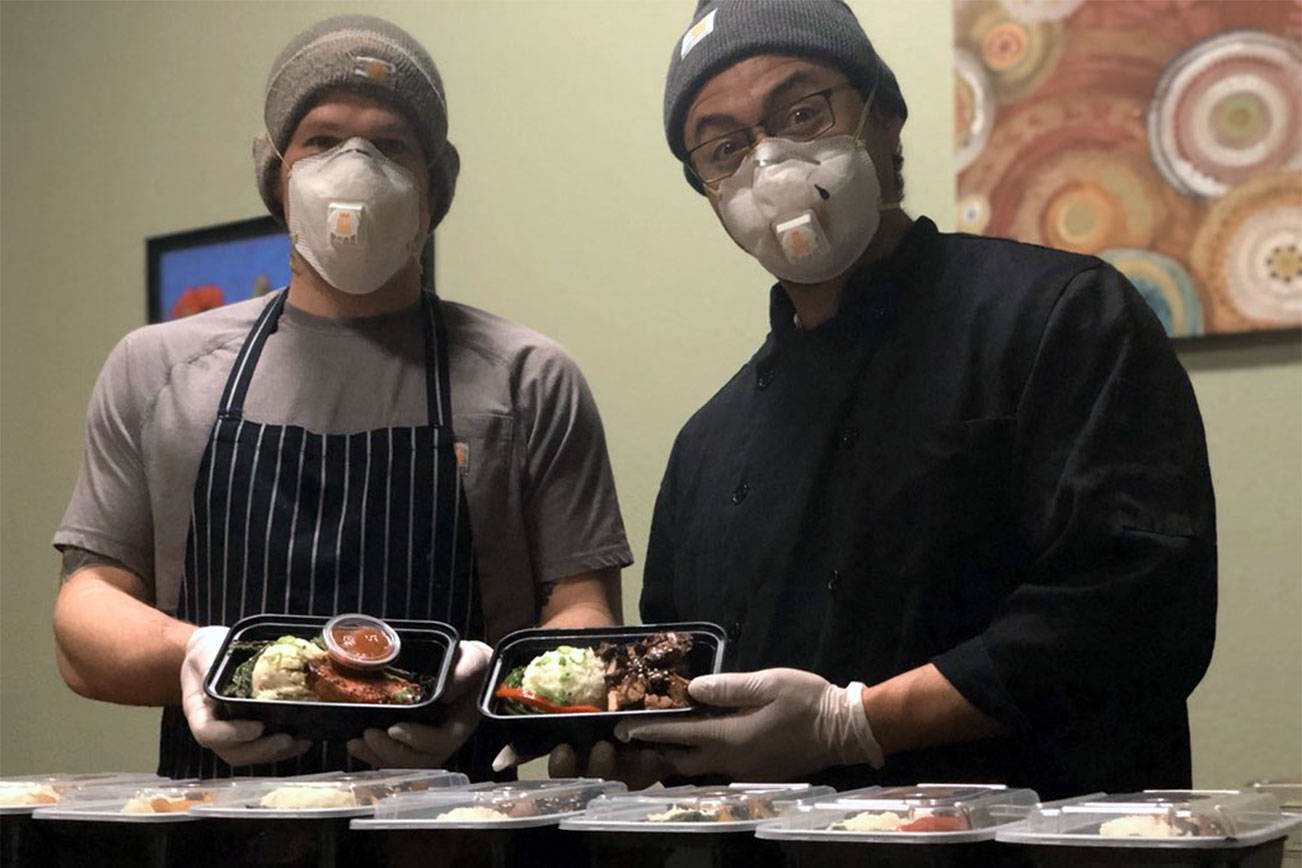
point(190, 272)
point(1164, 136)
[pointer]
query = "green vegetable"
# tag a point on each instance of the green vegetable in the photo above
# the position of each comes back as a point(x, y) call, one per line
point(515, 678)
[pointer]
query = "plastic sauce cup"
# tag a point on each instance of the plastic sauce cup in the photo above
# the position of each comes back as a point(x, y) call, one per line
point(360, 642)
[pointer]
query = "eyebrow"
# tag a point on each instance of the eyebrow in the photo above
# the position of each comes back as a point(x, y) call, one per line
point(772, 100)
point(390, 129)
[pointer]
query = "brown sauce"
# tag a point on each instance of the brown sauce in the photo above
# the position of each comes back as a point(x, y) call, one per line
point(364, 643)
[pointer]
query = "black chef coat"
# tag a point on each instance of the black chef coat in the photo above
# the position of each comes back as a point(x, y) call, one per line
point(989, 459)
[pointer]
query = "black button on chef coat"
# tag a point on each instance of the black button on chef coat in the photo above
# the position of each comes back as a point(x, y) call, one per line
point(990, 459)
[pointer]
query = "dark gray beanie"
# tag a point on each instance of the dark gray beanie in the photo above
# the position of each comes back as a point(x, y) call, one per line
point(823, 30)
point(370, 56)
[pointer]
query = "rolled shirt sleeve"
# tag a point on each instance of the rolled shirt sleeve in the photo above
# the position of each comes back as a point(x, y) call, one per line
point(1114, 499)
point(109, 512)
point(571, 508)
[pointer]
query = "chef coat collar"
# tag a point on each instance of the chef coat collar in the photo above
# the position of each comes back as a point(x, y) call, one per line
point(871, 294)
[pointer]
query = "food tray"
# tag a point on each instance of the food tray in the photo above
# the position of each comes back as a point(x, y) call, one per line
point(536, 734)
point(955, 813)
point(742, 808)
point(110, 804)
point(333, 796)
point(521, 804)
point(1168, 827)
point(428, 648)
point(63, 786)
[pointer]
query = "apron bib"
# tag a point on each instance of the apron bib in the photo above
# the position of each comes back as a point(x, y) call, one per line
point(288, 521)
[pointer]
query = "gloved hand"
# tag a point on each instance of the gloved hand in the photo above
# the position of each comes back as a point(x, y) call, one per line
point(238, 742)
point(419, 745)
point(788, 723)
point(639, 767)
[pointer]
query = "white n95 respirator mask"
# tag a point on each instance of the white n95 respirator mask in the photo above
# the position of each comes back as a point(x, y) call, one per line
point(805, 210)
point(354, 215)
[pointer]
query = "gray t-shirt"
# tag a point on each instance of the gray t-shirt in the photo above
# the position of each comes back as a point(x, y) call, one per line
point(537, 476)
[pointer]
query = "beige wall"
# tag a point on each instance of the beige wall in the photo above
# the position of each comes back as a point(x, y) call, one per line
point(122, 121)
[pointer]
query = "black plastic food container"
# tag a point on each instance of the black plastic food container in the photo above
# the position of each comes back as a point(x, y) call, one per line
point(428, 649)
point(536, 734)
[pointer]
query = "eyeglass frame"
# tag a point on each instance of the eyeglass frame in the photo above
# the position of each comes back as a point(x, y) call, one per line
point(749, 130)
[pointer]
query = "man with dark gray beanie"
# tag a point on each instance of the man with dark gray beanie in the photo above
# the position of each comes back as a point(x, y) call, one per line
point(350, 444)
point(964, 476)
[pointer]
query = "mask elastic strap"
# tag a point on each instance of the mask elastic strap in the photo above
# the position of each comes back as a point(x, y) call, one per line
point(867, 106)
point(272, 144)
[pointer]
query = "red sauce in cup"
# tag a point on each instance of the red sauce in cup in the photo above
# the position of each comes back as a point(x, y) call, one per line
point(365, 643)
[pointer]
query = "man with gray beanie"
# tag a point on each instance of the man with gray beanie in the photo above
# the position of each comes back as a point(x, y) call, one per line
point(349, 444)
point(965, 477)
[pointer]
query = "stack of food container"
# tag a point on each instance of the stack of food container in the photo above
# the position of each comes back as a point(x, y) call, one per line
point(1172, 828)
point(933, 825)
point(484, 825)
point(687, 826)
point(21, 840)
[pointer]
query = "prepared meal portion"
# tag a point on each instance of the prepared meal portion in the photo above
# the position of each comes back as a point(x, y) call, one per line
point(13, 793)
point(329, 792)
point(295, 669)
point(924, 813)
point(649, 672)
point(164, 802)
point(1194, 818)
point(38, 790)
point(677, 808)
point(519, 803)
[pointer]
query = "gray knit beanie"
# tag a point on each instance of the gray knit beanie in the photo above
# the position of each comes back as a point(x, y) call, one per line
point(369, 56)
point(724, 32)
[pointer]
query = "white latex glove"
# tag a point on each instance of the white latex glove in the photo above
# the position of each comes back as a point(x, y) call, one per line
point(238, 742)
point(788, 723)
point(421, 746)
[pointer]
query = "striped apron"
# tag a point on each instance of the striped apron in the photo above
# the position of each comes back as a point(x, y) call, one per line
point(288, 521)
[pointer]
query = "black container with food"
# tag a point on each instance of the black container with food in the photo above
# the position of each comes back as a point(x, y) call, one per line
point(687, 827)
point(485, 825)
point(137, 827)
point(1170, 828)
point(23, 840)
point(535, 676)
point(303, 822)
point(408, 690)
point(922, 826)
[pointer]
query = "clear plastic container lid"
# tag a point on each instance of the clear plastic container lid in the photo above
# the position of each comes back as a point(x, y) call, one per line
point(520, 804)
point(1288, 793)
point(922, 814)
point(698, 810)
point(322, 796)
point(1204, 819)
point(163, 803)
point(23, 794)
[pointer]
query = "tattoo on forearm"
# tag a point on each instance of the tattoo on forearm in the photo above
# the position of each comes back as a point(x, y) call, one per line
point(75, 559)
point(545, 590)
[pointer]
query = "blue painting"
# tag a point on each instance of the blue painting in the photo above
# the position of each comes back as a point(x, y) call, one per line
point(196, 271)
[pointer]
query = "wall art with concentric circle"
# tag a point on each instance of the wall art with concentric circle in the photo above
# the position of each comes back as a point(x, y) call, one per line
point(1163, 136)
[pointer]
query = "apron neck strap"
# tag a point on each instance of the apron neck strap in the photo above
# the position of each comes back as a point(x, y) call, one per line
point(437, 383)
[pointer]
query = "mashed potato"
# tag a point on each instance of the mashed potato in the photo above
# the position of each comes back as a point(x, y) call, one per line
point(308, 797)
point(472, 812)
point(1139, 826)
point(281, 670)
point(871, 822)
point(567, 676)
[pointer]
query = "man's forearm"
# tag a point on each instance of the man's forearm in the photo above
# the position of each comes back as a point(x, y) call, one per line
point(111, 645)
point(920, 708)
point(583, 600)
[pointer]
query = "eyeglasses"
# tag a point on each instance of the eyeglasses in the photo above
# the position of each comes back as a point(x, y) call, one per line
point(805, 119)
